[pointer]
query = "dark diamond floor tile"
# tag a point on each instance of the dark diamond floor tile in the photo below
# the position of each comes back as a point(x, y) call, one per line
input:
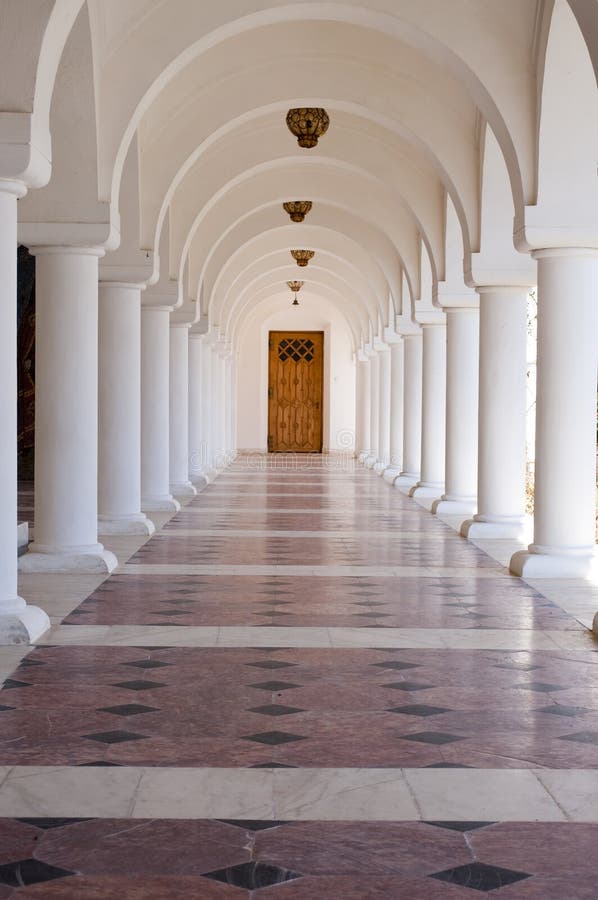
point(276, 709)
point(419, 710)
point(540, 686)
point(461, 826)
point(49, 823)
point(479, 876)
point(272, 765)
point(253, 875)
point(433, 737)
point(139, 685)
point(29, 663)
point(408, 686)
point(13, 683)
point(115, 737)
point(396, 664)
point(558, 710)
point(253, 824)
point(99, 763)
point(273, 686)
point(6, 708)
point(128, 709)
point(147, 664)
point(30, 871)
point(271, 664)
point(273, 738)
point(581, 737)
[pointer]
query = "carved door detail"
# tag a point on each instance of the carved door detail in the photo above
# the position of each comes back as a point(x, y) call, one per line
point(295, 370)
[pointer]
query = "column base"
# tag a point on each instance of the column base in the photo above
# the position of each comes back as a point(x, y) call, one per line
point(406, 481)
point(455, 507)
point(370, 461)
point(427, 489)
point(160, 503)
point(22, 625)
point(531, 564)
point(362, 456)
point(183, 489)
point(133, 524)
point(485, 528)
point(379, 467)
point(199, 481)
point(93, 559)
point(390, 474)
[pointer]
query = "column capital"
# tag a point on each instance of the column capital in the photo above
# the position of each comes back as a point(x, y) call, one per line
point(569, 252)
point(65, 250)
point(10, 186)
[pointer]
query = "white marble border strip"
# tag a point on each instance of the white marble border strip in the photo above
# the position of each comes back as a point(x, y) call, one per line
point(174, 531)
point(349, 794)
point(314, 637)
point(297, 571)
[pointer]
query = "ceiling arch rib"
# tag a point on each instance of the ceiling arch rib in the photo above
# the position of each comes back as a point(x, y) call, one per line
point(331, 246)
point(486, 49)
point(348, 146)
point(325, 268)
point(323, 218)
point(377, 206)
point(431, 111)
point(263, 290)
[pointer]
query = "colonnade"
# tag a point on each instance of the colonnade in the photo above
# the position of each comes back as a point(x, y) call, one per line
point(134, 409)
point(462, 413)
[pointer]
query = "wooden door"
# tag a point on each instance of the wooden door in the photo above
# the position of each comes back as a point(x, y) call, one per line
point(295, 374)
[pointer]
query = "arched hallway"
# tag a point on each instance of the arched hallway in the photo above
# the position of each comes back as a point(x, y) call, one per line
point(305, 670)
point(298, 370)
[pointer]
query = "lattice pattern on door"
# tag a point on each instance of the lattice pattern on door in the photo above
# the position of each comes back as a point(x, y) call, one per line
point(297, 350)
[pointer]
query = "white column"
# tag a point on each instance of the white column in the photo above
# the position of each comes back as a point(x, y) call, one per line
point(197, 447)
point(384, 413)
point(462, 379)
point(19, 623)
point(565, 488)
point(374, 409)
point(393, 469)
point(180, 486)
point(119, 411)
point(362, 409)
point(66, 414)
point(412, 406)
point(155, 449)
point(431, 483)
point(502, 412)
point(207, 404)
point(218, 455)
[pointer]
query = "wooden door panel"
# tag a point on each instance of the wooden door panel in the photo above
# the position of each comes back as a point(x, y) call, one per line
point(295, 389)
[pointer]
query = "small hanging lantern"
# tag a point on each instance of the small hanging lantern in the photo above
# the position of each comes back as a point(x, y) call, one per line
point(295, 286)
point(308, 124)
point(297, 209)
point(302, 257)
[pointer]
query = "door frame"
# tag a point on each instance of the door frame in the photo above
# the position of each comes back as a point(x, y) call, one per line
point(294, 331)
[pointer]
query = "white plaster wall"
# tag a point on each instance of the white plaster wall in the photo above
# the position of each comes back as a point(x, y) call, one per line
point(314, 314)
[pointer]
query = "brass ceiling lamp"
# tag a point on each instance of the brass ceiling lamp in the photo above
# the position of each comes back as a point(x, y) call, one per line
point(302, 257)
point(295, 286)
point(308, 124)
point(297, 209)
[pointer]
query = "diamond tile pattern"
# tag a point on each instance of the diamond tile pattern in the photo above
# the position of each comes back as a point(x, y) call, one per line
point(253, 875)
point(274, 738)
point(128, 709)
point(30, 871)
point(480, 877)
point(276, 709)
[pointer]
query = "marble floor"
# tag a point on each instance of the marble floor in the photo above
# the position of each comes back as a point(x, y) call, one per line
point(306, 686)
